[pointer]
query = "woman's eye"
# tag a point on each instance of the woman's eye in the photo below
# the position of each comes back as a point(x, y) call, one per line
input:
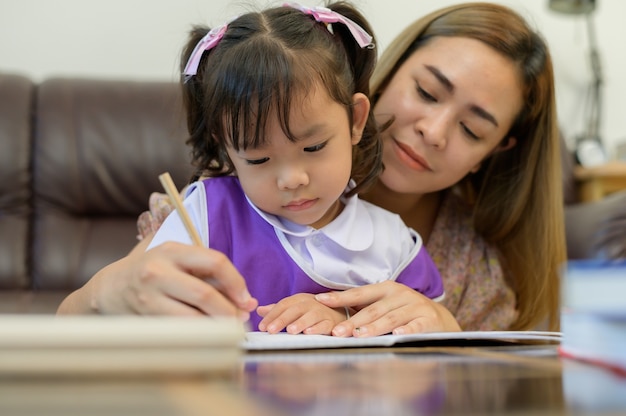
point(316, 148)
point(257, 161)
point(469, 132)
point(425, 95)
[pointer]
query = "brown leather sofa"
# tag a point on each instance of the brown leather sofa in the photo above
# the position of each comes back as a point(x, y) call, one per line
point(78, 161)
point(79, 158)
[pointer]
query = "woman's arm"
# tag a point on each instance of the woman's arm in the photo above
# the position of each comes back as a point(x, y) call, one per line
point(171, 279)
point(80, 301)
point(388, 307)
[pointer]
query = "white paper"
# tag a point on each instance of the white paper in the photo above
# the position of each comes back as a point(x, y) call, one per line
point(257, 341)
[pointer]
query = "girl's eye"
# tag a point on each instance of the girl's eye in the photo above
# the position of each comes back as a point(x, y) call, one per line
point(257, 161)
point(316, 148)
point(469, 132)
point(425, 95)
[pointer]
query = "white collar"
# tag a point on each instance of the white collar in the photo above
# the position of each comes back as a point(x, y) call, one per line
point(353, 229)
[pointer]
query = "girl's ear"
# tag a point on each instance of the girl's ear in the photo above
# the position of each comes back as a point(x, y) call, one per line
point(360, 113)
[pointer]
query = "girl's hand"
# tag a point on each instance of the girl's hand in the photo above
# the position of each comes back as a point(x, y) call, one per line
point(388, 307)
point(170, 279)
point(299, 313)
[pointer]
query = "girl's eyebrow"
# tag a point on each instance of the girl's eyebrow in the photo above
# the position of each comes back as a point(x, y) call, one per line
point(310, 131)
point(449, 86)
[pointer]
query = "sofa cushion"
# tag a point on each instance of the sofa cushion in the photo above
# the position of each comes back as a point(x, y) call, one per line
point(597, 229)
point(16, 98)
point(99, 146)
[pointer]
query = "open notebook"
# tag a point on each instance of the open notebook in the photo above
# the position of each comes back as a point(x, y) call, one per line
point(257, 341)
point(44, 344)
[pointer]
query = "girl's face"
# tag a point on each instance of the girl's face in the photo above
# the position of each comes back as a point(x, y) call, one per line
point(303, 180)
point(454, 100)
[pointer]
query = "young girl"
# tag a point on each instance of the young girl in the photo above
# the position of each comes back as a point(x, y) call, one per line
point(280, 122)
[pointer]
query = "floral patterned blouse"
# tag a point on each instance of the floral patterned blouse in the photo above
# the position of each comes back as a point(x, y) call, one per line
point(476, 291)
point(475, 288)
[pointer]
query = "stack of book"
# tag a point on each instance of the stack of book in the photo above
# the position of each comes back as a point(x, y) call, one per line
point(593, 318)
point(593, 347)
point(118, 345)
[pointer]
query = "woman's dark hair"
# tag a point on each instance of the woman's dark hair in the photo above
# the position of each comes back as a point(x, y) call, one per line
point(264, 60)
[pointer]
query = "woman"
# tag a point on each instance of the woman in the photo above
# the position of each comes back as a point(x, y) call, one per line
point(472, 163)
point(465, 96)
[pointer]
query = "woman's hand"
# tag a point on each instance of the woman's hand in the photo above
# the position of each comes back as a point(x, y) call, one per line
point(388, 307)
point(170, 279)
point(160, 206)
point(299, 313)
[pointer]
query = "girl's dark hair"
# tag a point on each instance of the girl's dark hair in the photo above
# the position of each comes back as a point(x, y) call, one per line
point(264, 60)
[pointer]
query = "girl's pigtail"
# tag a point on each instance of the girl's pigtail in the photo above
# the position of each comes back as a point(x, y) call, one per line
point(193, 99)
point(363, 60)
point(367, 159)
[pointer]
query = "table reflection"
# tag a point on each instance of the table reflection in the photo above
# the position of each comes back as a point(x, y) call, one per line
point(399, 384)
point(401, 381)
point(593, 389)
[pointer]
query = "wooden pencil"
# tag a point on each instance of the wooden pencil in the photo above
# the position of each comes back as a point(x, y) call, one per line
point(172, 192)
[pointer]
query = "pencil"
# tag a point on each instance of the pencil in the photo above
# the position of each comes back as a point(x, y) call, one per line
point(172, 192)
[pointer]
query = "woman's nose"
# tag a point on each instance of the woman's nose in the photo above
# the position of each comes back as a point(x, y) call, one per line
point(434, 128)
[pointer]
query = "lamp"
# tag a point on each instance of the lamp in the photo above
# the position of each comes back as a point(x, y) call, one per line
point(589, 148)
point(572, 6)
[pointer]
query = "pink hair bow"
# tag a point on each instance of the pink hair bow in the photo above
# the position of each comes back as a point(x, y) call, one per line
point(321, 14)
point(325, 15)
point(209, 41)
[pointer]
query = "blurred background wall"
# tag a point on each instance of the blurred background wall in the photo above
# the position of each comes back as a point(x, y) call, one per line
point(141, 39)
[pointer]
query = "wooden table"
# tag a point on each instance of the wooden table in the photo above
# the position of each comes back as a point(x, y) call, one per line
point(407, 380)
point(596, 182)
point(435, 380)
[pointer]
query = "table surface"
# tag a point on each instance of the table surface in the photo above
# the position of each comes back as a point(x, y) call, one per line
point(436, 380)
point(610, 169)
point(408, 380)
point(594, 183)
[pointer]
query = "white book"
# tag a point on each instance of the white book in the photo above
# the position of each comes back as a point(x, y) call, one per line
point(594, 285)
point(599, 339)
point(593, 316)
point(44, 344)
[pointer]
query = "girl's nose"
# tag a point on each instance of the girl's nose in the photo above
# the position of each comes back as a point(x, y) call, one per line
point(292, 177)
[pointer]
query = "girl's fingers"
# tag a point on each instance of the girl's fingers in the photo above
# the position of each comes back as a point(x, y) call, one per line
point(364, 295)
point(353, 297)
point(263, 310)
point(321, 328)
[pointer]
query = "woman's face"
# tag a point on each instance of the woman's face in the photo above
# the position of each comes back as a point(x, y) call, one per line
point(453, 100)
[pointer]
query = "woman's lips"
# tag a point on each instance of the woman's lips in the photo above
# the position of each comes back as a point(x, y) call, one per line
point(300, 205)
point(409, 157)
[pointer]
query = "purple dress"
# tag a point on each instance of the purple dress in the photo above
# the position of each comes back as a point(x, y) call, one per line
point(251, 243)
